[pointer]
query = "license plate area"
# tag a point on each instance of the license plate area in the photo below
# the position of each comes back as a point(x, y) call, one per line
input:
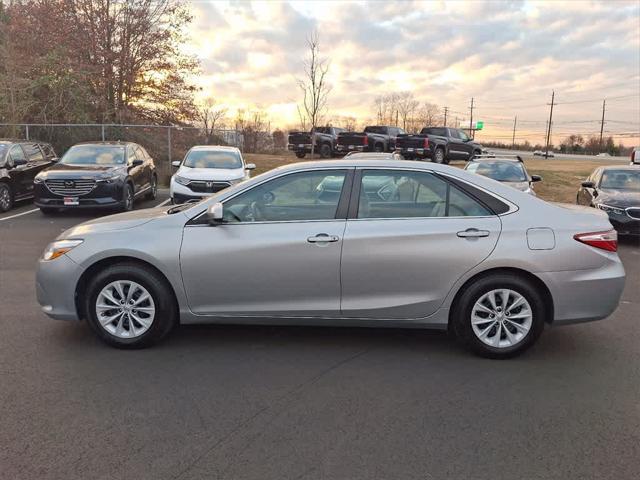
point(71, 201)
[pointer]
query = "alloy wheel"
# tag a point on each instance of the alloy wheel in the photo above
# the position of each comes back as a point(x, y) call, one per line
point(125, 309)
point(501, 318)
point(5, 198)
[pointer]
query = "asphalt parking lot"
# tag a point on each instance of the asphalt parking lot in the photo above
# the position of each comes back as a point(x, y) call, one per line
point(235, 402)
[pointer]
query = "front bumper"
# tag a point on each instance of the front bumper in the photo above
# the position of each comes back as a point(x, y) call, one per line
point(181, 193)
point(624, 224)
point(56, 282)
point(585, 295)
point(104, 195)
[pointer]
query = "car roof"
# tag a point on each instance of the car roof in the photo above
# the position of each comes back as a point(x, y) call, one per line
point(496, 157)
point(115, 143)
point(372, 155)
point(215, 147)
point(619, 167)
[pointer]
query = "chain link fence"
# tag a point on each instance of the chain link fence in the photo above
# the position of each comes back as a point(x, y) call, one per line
point(164, 143)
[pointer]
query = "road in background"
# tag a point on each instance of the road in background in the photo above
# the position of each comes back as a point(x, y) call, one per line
point(241, 402)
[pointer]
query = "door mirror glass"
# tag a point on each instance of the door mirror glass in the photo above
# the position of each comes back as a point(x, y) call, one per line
point(250, 166)
point(215, 213)
point(137, 162)
point(536, 178)
point(588, 184)
point(175, 163)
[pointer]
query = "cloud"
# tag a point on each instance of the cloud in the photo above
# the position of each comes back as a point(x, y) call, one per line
point(508, 55)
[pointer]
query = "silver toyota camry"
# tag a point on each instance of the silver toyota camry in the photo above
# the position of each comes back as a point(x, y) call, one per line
point(358, 241)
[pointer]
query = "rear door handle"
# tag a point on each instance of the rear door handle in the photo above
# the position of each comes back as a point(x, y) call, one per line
point(323, 238)
point(473, 233)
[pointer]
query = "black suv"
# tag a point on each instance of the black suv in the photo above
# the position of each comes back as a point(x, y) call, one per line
point(96, 175)
point(20, 162)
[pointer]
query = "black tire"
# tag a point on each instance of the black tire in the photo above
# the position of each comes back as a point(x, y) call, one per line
point(48, 210)
point(127, 198)
point(378, 147)
point(462, 314)
point(301, 154)
point(438, 156)
point(325, 150)
point(6, 197)
point(153, 192)
point(166, 316)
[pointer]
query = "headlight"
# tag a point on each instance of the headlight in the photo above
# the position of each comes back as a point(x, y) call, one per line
point(181, 180)
point(237, 180)
point(610, 209)
point(38, 179)
point(59, 247)
point(108, 180)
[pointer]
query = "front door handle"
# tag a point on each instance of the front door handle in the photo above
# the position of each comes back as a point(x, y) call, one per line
point(323, 238)
point(473, 233)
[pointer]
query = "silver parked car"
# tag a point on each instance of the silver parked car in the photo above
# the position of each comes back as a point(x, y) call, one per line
point(508, 169)
point(448, 249)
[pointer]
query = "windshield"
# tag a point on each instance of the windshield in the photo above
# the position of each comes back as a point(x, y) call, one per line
point(621, 180)
point(212, 159)
point(500, 171)
point(94, 155)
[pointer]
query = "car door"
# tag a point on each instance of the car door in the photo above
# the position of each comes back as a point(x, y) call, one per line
point(457, 149)
point(147, 170)
point(36, 162)
point(408, 242)
point(21, 178)
point(466, 143)
point(277, 253)
point(136, 171)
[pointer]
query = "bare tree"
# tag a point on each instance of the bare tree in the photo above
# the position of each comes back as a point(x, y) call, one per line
point(427, 115)
point(406, 106)
point(211, 116)
point(314, 86)
point(303, 119)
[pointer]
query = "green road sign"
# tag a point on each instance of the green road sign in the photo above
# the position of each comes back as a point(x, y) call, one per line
point(479, 125)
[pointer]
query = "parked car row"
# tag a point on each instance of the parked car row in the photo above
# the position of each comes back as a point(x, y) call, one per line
point(438, 144)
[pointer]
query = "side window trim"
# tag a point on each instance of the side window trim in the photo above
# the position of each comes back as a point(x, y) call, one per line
point(343, 203)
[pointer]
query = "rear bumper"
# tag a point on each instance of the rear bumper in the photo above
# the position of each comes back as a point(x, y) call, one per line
point(410, 152)
point(56, 297)
point(299, 147)
point(585, 295)
point(351, 148)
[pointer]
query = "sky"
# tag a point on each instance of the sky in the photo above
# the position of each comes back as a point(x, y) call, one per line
point(509, 56)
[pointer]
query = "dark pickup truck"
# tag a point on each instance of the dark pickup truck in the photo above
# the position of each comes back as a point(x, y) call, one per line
point(325, 141)
point(439, 144)
point(372, 139)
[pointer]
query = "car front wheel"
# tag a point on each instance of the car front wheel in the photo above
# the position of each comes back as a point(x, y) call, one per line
point(127, 198)
point(499, 316)
point(6, 198)
point(130, 306)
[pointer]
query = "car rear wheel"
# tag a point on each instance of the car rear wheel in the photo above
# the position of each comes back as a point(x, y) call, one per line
point(325, 150)
point(300, 154)
point(438, 156)
point(6, 197)
point(130, 306)
point(499, 316)
point(379, 147)
point(153, 191)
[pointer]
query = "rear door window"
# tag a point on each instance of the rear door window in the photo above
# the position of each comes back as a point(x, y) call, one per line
point(406, 194)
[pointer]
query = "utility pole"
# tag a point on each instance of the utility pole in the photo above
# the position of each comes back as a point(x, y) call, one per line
point(513, 140)
point(446, 109)
point(471, 121)
point(546, 149)
point(604, 102)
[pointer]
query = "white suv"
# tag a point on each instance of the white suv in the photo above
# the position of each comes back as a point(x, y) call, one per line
point(207, 169)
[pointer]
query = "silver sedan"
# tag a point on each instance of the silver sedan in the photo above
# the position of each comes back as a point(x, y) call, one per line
point(347, 242)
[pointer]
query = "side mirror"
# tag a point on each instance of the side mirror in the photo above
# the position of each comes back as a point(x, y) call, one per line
point(588, 184)
point(215, 213)
point(55, 159)
point(536, 178)
point(19, 161)
point(137, 162)
point(250, 166)
point(176, 163)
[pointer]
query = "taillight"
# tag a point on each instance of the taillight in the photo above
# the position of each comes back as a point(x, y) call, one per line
point(426, 142)
point(604, 240)
point(365, 141)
